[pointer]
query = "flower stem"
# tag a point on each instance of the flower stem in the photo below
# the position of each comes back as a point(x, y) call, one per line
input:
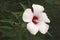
point(49, 34)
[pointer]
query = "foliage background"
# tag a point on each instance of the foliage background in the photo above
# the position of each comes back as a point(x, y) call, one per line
point(12, 26)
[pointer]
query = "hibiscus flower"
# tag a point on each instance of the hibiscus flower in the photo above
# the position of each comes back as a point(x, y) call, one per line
point(36, 20)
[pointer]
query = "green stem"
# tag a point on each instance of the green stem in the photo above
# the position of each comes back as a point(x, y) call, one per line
point(49, 34)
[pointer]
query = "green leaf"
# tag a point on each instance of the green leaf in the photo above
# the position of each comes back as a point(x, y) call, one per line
point(24, 7)
point(7, 20)
point(17, 15)
point(5, 27)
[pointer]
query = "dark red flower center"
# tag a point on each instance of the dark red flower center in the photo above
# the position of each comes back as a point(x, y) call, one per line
point(35, 19)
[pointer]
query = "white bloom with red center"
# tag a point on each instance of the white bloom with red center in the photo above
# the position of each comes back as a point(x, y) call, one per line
point(36, 20)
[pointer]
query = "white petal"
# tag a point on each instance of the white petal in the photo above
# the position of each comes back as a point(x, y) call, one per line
point(32, 28)
point(37, 8)
point(43, 28)
point(44, 17)
point(27, 15)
